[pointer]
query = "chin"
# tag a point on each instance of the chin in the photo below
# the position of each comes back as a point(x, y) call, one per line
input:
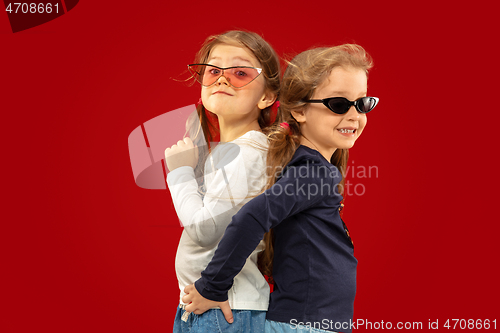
point(217, 108)
point(346, 146)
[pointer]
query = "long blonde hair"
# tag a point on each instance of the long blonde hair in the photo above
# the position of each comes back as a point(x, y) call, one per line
point(303, 75)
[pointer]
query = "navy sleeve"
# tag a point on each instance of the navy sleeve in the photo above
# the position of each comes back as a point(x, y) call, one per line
point(300, 188)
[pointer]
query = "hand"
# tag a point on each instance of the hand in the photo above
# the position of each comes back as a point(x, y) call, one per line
point(184, 153)
point(199, 304)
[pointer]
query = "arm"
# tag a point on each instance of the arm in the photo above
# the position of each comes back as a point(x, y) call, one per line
point(298, 190)
point(206, 217)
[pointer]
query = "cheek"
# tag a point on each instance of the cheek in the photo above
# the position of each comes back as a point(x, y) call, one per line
point(362, 123)
point(252, 95)
point(204, 95)
point(330, 120)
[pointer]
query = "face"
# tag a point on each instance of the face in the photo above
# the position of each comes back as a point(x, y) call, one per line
point(227, 101)
point(329, 131)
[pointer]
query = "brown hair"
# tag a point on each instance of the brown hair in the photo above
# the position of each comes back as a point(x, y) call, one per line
point(303, 75)
point(269, 61)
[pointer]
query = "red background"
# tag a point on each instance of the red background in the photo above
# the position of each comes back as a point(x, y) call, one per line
point(85, 249)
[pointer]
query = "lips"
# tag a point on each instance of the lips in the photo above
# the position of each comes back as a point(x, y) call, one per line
point(221, 92)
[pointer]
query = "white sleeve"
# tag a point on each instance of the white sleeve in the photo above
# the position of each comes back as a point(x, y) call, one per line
point(205, 218)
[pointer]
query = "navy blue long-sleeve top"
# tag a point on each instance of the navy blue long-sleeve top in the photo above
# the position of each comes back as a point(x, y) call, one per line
point(314, 267)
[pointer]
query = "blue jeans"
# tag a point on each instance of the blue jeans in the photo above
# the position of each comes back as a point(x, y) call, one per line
point(279, 327)
point(213, 321)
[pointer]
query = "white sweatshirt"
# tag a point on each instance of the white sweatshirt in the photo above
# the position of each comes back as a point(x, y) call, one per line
point(234, 174)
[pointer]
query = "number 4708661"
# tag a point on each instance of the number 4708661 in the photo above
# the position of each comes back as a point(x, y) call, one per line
point(31, 8)
point(470, 324)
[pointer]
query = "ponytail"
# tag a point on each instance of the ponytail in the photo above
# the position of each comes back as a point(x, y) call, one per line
point(284, 139)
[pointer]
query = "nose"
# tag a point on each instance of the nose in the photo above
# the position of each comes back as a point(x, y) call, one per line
point(222, 80)
point(352, 113)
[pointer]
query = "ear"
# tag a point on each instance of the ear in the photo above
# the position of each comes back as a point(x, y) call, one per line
point(267, 100)
point(300, 116)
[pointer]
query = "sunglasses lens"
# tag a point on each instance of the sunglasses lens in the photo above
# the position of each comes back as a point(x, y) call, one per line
point(236, 76)
point(210, 74)
point(339, 105)
point(366, 104)
point(241, 76)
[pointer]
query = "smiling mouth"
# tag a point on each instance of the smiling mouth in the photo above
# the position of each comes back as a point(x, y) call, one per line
point(346, 131)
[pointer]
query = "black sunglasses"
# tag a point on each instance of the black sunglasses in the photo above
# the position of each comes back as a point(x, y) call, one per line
point(341, 105)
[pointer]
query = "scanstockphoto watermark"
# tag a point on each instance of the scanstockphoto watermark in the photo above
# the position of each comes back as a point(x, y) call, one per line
point(325, 324)
point(355, 175)
point(312, 180)
point(330, 325)
point(304, 189)
point(229, 161)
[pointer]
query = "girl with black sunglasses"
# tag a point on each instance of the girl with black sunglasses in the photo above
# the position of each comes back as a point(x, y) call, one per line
point(309, 253)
